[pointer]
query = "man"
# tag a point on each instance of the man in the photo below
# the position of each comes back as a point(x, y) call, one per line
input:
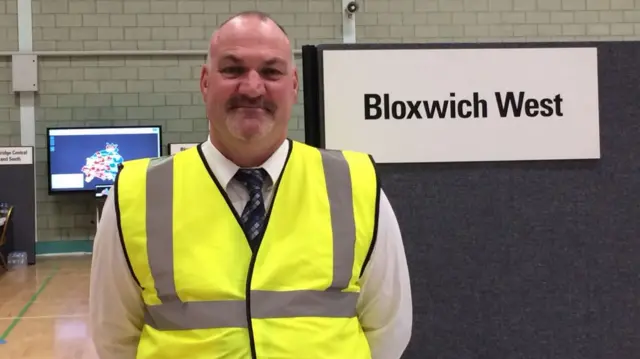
point(249, 245)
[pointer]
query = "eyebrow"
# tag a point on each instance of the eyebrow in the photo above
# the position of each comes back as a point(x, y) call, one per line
point(236, 60)
point(230, 58)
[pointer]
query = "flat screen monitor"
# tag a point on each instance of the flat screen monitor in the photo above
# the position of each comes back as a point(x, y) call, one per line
point(87, 159)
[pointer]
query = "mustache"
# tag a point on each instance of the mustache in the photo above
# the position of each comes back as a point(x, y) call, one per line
point(257, 102)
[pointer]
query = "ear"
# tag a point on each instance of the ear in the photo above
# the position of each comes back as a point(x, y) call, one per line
point(296, 84)
point(204, 79)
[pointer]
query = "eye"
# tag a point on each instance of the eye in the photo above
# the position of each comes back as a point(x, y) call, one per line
point(232, 70)
point(271, 72)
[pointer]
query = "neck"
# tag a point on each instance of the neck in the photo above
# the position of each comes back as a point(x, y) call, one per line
point(247, 154)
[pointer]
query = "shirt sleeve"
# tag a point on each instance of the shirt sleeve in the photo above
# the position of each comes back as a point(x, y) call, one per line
point(115, 302)
point(385, 304)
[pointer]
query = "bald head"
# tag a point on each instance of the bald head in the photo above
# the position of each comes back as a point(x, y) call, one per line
point(247, 27)
point(257, 14)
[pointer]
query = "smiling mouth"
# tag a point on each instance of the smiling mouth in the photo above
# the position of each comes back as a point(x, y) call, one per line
point(249, 109)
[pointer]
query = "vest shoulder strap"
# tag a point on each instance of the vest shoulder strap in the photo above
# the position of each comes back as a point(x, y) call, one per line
point(357, 171)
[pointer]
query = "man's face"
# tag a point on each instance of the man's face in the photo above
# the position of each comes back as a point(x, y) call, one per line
point(250, 84)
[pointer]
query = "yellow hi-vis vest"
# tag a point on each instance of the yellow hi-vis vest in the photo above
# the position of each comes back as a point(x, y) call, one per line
point(208, 295)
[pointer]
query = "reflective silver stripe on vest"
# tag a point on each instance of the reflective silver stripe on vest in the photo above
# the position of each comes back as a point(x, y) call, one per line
point(178, 315)
point(160, 227)
point(173, 314)
point(338, 178)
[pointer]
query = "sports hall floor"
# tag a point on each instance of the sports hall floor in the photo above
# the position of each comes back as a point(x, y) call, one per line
point(44, 310)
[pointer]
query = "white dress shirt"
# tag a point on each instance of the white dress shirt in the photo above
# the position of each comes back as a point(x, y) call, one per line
point(116, 307)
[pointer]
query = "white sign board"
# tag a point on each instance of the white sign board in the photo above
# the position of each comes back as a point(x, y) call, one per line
point(178, 147)
point(457, 105)
point(11, 156)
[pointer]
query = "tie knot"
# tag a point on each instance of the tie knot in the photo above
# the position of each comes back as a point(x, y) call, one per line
point(251, 178)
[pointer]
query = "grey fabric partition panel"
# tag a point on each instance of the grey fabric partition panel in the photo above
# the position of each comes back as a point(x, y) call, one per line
point(535, 260)
point(17, 187)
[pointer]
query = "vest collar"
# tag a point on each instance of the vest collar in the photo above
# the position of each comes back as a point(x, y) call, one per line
point(224, 170)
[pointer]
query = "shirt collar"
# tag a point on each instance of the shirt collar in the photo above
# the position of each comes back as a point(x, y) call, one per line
point(224, 170)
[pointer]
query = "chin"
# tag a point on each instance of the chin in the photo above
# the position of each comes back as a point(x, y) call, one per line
point(249, 128)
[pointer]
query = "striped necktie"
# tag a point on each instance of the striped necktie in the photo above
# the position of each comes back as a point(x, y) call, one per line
point(253, 215)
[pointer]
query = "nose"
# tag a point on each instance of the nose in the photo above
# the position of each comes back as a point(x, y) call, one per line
point(252, 84)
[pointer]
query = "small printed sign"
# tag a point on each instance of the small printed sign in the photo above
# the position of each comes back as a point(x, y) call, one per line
point(16, 156)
